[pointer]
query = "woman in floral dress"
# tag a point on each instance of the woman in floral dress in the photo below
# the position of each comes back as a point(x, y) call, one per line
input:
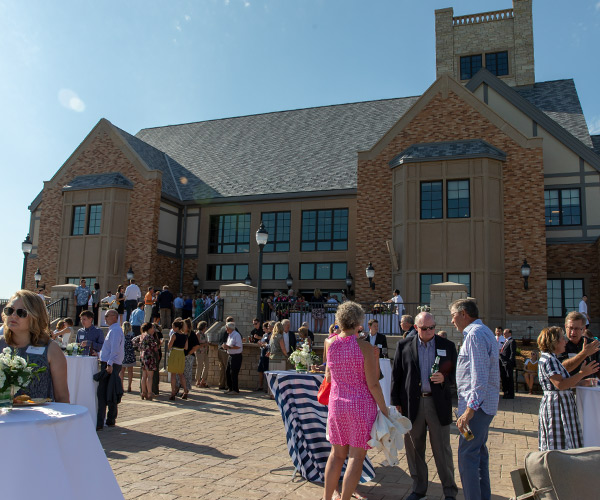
point(129, 355)
point(146, 343)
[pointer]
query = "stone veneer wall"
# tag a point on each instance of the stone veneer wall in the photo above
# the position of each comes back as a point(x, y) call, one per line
point(65, 292)
point(523, 171)
point(239, 301)
point(442, 295)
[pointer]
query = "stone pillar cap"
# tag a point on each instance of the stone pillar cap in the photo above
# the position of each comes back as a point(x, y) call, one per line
point(237, 286)
point(448, 285)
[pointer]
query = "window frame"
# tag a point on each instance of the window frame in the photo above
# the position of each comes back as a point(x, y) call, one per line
point(461, 274)
point(431, 209)
point(560, 207)
point(448, 216)
point(80, 219)
point(241, 243)
point(496, 54)
point(265, 274)
point(97, 224)
point(335, 227)
point(563, 300)
point(275, 238)
point(314, 275)
point(421, 275)
point(470, 58)
point(209, 274)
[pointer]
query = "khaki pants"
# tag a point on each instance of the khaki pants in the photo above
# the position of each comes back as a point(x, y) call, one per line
point(223, 357)
point(201, 365)
point(165, 317)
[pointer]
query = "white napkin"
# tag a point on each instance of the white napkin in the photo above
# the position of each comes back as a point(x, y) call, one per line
point(387, 434)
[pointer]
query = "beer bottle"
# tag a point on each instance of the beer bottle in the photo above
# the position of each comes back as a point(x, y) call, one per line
point(436, 365)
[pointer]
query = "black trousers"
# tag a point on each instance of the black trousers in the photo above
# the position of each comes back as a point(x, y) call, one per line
point(102, 395)
point(508, 380)
point(130, 306)
point(95, 310)
point(234, 363)
point(78, 310)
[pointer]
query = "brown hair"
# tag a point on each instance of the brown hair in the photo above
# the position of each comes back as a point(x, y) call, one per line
point(188, 322)
point(202, 325)
point(549, 337)
point(575, 316)
point(146, 327)
point(178, 322)
point(303, 331)
point(39, 331)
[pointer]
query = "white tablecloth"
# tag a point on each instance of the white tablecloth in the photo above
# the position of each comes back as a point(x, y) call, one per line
point(385, 365)
point(82, 388)
point(51, 452)
point(588, 407)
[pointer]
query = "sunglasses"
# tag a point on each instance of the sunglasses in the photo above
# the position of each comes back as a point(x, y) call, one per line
point(21, 313)
point(425, 328)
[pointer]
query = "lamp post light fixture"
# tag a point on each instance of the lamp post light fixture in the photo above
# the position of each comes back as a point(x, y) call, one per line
point(262, 237)
point(37, 277)
point(130, 274)
point(525, 272)
point(371, 274)
point(349, 282)
point(196, 283)
point(289, 281)
point(248, 280)
point(26, 246)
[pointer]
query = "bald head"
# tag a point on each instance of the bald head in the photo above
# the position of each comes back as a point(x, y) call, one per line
point(423, 318)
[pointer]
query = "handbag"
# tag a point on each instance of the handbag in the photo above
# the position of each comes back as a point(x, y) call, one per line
point(323, 394)
point(114, 304)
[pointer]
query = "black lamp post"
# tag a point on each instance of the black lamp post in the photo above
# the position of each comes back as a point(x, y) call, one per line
point(525, 272)
point(130, 274)
point(37, 277)
point(371, 274)
point(262, 237)
point(26, 246)
point(349, 281)
point(248, 280)
point(289, 281)
point(196, 283)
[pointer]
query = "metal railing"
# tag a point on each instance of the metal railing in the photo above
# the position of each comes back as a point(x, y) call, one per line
point(311, 312)
point(210, 315)
point(57, 309)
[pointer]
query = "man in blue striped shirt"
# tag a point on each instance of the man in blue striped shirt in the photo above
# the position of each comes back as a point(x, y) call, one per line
point(477, 382)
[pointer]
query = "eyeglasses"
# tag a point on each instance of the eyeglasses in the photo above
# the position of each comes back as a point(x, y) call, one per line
point(425, 328)
point(21, 313)
point(574, 329)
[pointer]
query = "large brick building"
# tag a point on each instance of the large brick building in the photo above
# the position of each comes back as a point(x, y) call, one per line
point(486, 169)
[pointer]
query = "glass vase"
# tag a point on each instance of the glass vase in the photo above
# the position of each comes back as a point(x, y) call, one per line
point(6, 399)
point(300, 368)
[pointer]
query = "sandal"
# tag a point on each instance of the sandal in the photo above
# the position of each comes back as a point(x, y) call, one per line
point(185, 395)
point(358, 496)
point(172, 397)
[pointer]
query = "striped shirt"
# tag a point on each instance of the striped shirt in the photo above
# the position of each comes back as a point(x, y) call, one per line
point(426, 359)
point(477, 370)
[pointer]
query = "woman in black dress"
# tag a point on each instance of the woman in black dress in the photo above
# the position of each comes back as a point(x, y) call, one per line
point(178, 341)
point(121, 304)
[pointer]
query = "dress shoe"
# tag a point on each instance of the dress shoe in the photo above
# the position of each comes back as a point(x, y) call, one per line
point(99, 428)
point(415, 496)
point(449, 498)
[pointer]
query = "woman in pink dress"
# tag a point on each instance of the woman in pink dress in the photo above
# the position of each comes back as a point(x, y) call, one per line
point(355, 395)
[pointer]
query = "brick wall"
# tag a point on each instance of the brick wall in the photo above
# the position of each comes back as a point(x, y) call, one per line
point(102, 152)
point(167, 270)
point(449, 119)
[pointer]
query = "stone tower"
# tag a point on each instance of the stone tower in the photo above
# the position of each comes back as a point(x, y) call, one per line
point(501, 41)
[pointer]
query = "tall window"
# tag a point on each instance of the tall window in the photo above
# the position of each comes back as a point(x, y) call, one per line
point(426, 281)
point(324, 230)
point(463, 278)
point(497, 63)
point(323, 270)
point(89, 282)
point(431, 200)
point(562, 207)
point(226, 272)
point(95, 219)
point(563, 296)
point(277, 225)
point(469, 65)
point(275, 271)
point(458, 202)
point(229, 234)
point(78, 220)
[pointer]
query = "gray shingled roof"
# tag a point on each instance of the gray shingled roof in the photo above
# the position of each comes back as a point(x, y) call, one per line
point(96, 181)
point(451, 150)
point(303, 150)
point(596, 143)
point(559, 100)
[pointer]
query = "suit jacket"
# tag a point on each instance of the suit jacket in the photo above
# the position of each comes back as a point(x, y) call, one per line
point(380, 339)
point(292, 337)
point(406, 378)
point(508, 354)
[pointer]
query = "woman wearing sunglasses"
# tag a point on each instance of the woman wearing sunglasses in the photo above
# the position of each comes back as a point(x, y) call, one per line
point(26, 330)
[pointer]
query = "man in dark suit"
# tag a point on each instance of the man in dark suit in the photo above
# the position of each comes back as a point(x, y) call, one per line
point(375, 338)
point(289, 338)
point(407, 325)
point(426, 399)
point(508, 360)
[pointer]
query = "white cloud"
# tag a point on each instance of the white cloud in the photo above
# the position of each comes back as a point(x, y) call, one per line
point(598, 6)
point(246, 3)
point(226, 2)
point(178, 27)
point(187, 18)
point(595, 125)
point(71, 100)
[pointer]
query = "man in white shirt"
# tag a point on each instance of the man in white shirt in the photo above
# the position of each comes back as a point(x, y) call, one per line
point(110, 388)
point(583, 309)
point(289, 338)
point(399, 304)
point(499, 336)
point(234, 348)
point(133, 294)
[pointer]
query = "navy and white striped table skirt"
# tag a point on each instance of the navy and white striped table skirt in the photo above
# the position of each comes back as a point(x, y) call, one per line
point(305, 422)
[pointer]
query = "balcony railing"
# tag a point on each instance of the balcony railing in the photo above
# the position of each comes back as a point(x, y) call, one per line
point(484, 17)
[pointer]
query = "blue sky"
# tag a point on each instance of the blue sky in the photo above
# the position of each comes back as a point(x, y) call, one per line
point(66, 64)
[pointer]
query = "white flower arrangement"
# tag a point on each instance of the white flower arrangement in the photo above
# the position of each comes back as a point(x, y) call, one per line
point(15, 372)
point(73, 349)
point(423, 309)
point(304, 356)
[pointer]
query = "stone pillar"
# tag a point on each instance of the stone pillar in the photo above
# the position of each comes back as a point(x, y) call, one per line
point(239, 301)
point(65, 291)
point(442, 295)
point(444, 42)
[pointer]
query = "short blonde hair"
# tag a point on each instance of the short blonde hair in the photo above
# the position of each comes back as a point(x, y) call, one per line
point(37, 313)
point(277, 329)
point(549, 338)
point(575, 316)
point(349, 315)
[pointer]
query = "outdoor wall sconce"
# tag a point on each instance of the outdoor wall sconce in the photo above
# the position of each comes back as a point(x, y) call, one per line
point(525, 272)
point(289, 281)
point(371, 274)
point(196, 283)
point(130, 274)
point(349, 282)
point(37, 277)
point(248, 280)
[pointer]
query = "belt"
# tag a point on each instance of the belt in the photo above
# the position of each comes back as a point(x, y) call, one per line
point(426, 394)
